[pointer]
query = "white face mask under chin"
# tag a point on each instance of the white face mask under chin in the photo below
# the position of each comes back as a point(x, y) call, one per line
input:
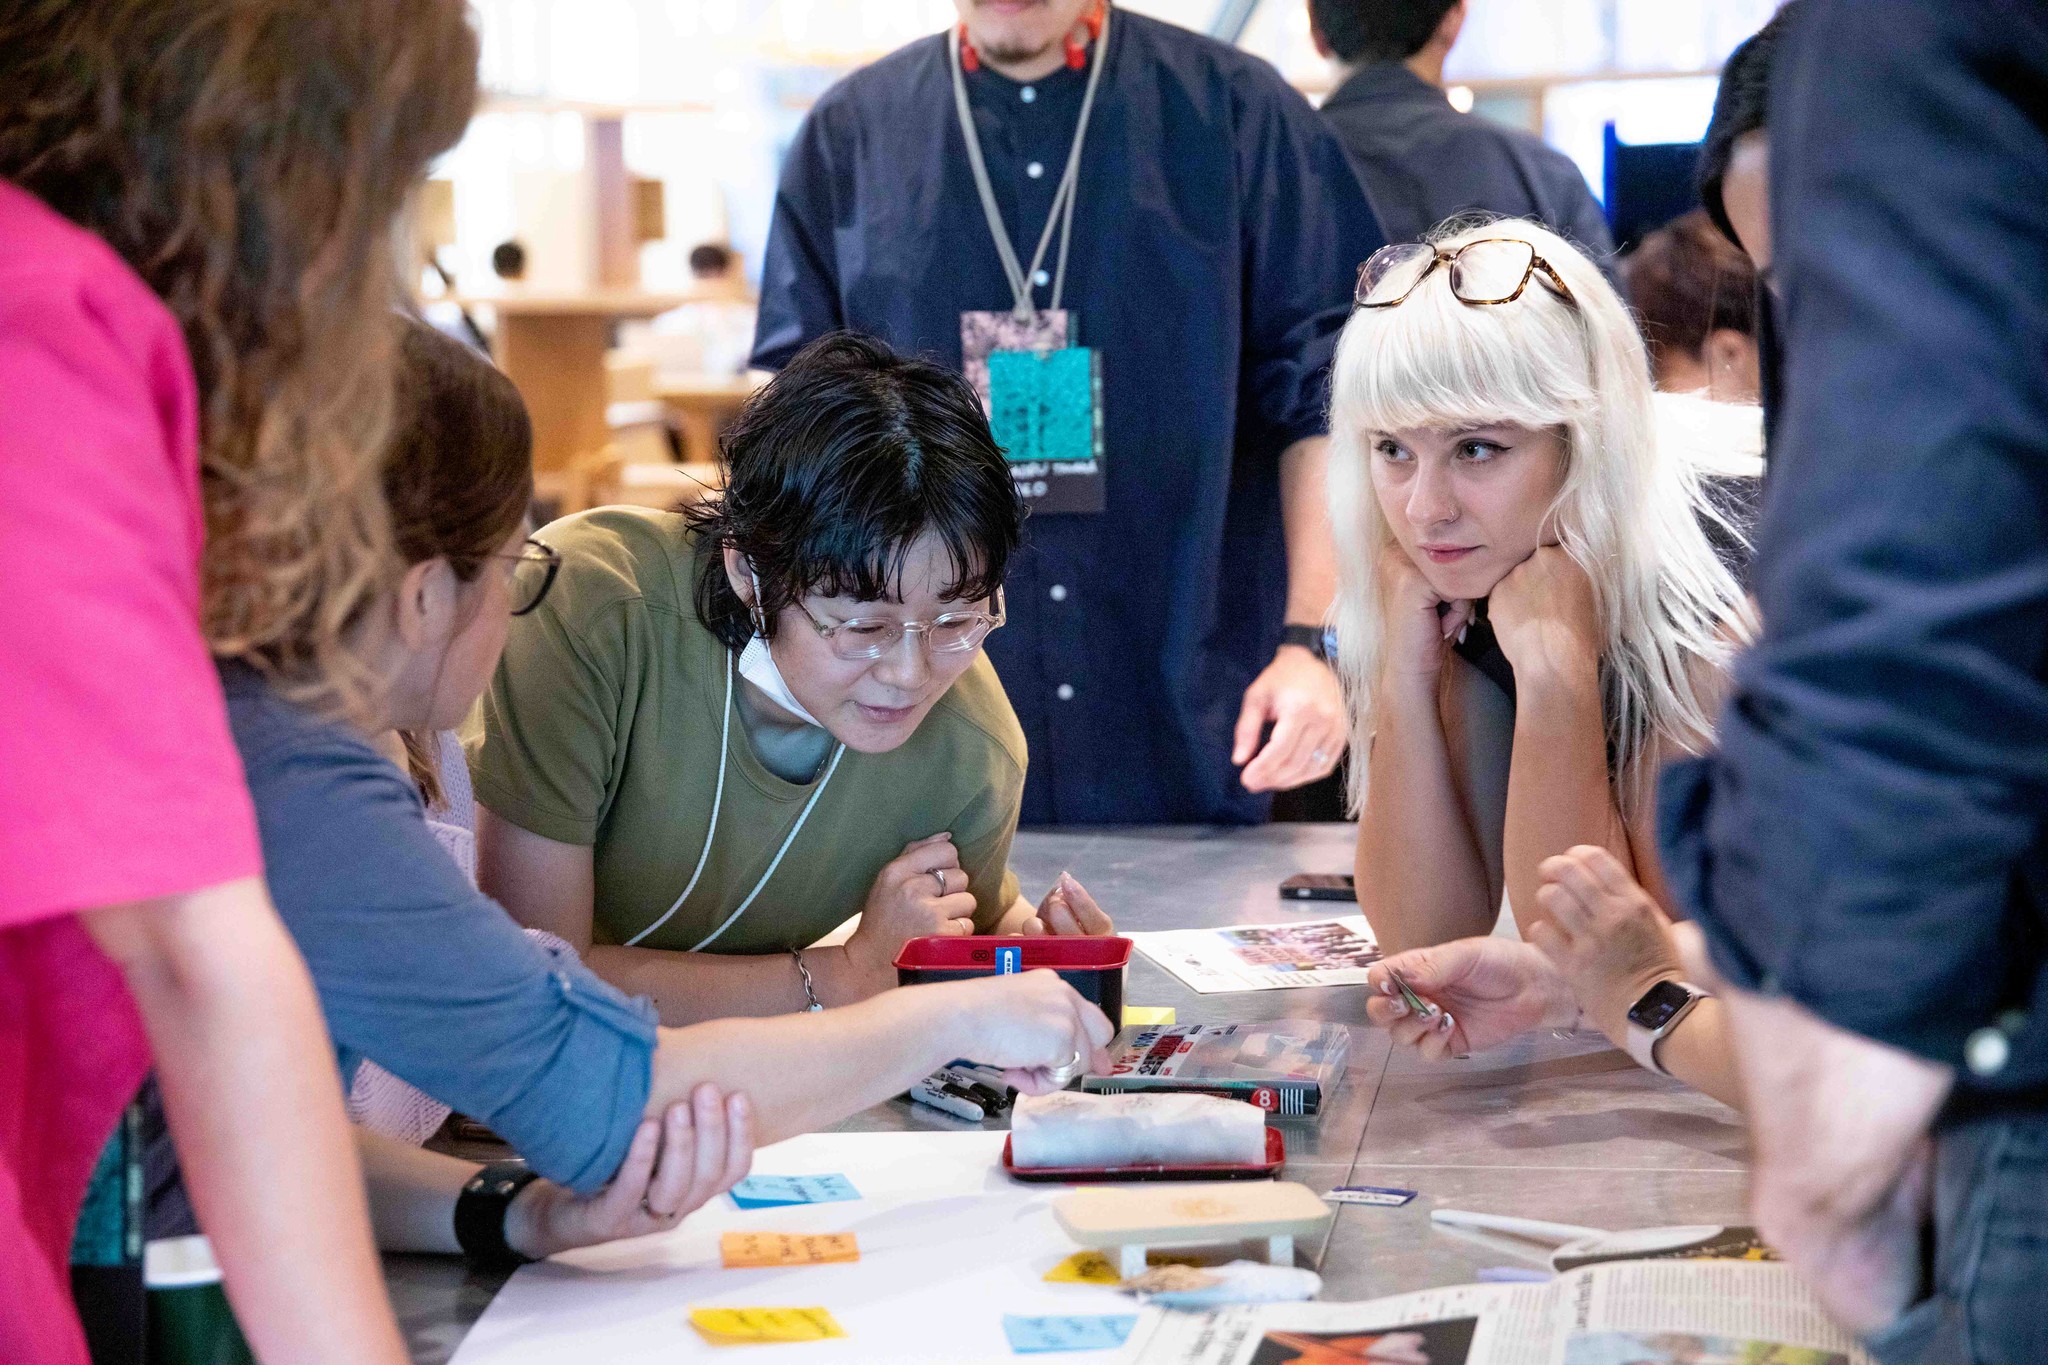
point(757, 666)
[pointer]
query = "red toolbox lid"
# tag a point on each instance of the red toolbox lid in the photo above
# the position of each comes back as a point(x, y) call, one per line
point(977, 953)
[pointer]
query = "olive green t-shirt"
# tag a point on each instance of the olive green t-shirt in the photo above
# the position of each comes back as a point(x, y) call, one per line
point(602, 727)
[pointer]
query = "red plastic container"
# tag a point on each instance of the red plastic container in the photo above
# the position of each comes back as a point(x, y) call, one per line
point(1092, 966)
point(1276, 1157)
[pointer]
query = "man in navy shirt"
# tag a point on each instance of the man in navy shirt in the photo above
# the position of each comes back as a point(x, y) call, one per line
point(1867, 851)
point(1204, 252)
point(1423, 161)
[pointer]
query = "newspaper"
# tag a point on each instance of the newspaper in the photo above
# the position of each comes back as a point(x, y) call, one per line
point(1266, 957)
point(1632, 1313)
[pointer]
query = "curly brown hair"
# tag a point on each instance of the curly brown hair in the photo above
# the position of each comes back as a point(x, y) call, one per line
point(249, 158)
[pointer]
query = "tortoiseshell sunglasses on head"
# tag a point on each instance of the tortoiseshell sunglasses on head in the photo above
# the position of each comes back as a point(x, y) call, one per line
point(1490, 270)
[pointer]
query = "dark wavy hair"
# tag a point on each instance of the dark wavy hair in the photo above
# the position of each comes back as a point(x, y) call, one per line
point(833, 471)
point(248, 158)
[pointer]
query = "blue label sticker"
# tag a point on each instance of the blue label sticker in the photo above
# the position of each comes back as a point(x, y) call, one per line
point(774, 1191)
point(1009, 961)
point(1030, 1336)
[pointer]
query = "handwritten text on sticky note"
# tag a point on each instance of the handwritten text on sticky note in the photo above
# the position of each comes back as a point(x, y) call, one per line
point(774, 1191)
point(723, 1326)
point(754, 1250)
point(1030, 1336)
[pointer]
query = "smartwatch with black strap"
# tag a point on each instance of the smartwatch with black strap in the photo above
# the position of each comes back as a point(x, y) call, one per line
point(480, 1214)
point(1317, 640)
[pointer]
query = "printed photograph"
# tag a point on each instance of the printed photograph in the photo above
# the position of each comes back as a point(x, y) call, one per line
point(1302, 947)
point(1445, 1342)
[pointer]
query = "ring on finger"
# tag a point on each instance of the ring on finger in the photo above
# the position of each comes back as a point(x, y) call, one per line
point(939, 875)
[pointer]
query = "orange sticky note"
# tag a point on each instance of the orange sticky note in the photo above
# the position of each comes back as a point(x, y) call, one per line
point(755, 1250)
point(737, 1326)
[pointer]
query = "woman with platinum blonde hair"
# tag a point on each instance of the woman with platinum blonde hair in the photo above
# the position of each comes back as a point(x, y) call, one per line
point(1531, 614)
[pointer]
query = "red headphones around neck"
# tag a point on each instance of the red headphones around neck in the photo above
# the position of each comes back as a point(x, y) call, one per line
point(1076, 47)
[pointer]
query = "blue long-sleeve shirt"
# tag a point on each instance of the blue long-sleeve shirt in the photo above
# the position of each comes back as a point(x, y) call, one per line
point(1869, 837)
point(1217, 237)
point(419, 971)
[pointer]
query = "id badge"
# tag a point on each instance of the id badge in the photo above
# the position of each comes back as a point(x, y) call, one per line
point(1043, 396)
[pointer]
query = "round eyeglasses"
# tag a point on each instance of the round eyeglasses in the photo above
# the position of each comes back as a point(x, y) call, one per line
point(871, 637)
point(1490, 270)
point(533, 573)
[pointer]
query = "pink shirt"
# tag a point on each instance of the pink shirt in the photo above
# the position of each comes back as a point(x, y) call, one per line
point(119, 781)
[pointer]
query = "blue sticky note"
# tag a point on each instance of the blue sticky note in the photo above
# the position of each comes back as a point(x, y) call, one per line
point(1009, 961)
point(774, 1191)
point(1030, 1336)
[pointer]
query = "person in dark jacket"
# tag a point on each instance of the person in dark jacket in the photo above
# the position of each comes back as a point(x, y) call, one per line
point(1185, 258)
point(1865, 851)
point(1421, 160)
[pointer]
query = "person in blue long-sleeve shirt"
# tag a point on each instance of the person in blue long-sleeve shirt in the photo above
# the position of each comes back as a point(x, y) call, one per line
point(1865, 850)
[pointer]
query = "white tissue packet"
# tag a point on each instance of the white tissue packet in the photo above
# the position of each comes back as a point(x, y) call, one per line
point(1071, 1128)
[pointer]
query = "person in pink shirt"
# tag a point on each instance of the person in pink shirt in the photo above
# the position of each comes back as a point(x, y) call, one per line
point(196, 202)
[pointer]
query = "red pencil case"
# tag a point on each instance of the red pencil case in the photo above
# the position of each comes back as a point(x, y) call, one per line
point(1276, 1157)
point(1092, 966)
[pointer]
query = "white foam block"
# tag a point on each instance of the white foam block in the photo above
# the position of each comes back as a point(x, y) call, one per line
point(1069, 1128)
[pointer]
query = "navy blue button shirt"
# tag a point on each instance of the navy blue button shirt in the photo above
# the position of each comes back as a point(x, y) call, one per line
point(1871, 837)
point(1217, 237)
point(1423, 161)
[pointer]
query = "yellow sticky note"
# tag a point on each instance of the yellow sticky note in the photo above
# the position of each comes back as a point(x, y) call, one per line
point(1094, 1267)
point(754, 1250)
point(1144, 1015)
point(735, 1326)
point(1084, 1267)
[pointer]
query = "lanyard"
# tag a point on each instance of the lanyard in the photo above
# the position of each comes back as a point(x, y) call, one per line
point(1062, 212)
point(717, 800)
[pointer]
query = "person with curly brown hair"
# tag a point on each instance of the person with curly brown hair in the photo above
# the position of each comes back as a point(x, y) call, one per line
point(196, 339)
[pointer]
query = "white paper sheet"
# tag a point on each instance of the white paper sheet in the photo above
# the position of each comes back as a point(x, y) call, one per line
point(948, 1245)
point(1266, 957)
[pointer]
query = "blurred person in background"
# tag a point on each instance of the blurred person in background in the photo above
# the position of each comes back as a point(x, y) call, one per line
point(1171, 225)
point(1865, 849)
point(712, 331)
point(1423, 161)
point(1694, 293)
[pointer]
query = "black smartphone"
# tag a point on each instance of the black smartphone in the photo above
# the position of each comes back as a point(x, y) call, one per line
point(1319, 886)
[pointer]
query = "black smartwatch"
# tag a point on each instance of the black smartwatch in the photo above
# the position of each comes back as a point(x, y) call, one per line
point(1317, 640)
point(480, 1214)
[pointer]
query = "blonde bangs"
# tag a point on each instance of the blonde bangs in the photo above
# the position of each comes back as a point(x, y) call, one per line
point(1433, 361)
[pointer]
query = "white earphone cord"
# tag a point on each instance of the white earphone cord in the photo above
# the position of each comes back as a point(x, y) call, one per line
point(711, 832)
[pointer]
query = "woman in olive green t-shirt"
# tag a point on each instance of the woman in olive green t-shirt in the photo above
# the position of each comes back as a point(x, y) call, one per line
point(729, 729)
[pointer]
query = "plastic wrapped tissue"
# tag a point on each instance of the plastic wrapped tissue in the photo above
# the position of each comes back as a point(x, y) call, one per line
point(1069, 1128)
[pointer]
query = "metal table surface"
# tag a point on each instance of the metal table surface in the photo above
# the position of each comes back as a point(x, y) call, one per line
point(1567, 1131)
